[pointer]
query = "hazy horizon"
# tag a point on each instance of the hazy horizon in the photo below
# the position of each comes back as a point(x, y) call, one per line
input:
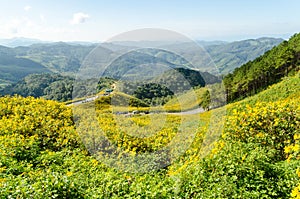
point(100, 20)
point(195, 39)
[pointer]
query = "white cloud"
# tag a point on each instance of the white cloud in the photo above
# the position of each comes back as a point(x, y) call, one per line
point(42, 18)
point(17, 27)
point(27, 8)
point(79, 18)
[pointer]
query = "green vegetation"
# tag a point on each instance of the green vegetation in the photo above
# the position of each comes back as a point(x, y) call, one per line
point(190, 100)
point(64, 58)
point(105, 83)
point(119, 99)
point(246, 149)
point(13, 69)
point(180, 79)
point(256, 157)
point(51, 86)
point(288, 88)
point(256, 75)
point(232, 55)
point(58, 57)
point(205, 100)
point(60, 88)
point(153, 94)
point(162, 88)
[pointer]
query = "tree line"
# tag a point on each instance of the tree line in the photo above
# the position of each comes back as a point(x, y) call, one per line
point(256, 75)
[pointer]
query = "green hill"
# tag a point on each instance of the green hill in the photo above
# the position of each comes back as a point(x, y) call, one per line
point(267, 69)
point(119, 100)
point(50, 86)
point(66, 58)
point(187, 101)
point(58, 57)
point(229, 56)
point(13, 68)
point(288, 88)
point(247, 149)
point(256, 156)
point(160, 89)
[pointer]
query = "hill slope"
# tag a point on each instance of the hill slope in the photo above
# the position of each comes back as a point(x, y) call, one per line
point(13, 68)
point(265, 70)
point(229, 56)
point(58, 57)
point(249, 161)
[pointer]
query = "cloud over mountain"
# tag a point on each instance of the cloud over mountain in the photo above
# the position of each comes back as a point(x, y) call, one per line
point(79, 18)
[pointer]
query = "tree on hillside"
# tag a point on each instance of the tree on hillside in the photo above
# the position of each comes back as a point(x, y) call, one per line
point(265, 70)
point(205, 100)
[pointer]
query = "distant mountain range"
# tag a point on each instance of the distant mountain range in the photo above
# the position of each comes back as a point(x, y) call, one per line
point(35, 56)
point(20, 41)
point(229, 56)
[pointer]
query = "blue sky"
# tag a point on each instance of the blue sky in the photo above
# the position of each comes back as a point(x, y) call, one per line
point(100, 20)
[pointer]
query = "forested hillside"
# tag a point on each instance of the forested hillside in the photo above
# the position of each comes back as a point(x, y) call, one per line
point(58, 57)
point(232, 55)
point(13, 68)
point(267, 69)
point(49, 86)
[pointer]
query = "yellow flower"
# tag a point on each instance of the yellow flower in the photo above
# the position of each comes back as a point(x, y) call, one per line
point(296, 147)
point(2, 180)
point(295, 193)
point(297, 136)
point(244, 157)
point(260, 135)
point(69, 173)
point(288, 149)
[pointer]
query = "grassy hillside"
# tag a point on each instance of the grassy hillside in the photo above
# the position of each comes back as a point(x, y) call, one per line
point(187, 101)
point(256, 157)
point(119, 99)
point(288, 88)
point(246, 149)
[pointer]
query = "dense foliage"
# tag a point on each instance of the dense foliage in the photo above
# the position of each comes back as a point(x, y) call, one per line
point(153, 93)
point(52, 87)
point(161, 89)
point(14, 68)
point(49, 86)
point(120, 100)
point(105, 83)
point(181, 79)
point(257, 155)
point(256, 75)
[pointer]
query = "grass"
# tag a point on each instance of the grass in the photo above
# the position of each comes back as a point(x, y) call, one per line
point(187, 101)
